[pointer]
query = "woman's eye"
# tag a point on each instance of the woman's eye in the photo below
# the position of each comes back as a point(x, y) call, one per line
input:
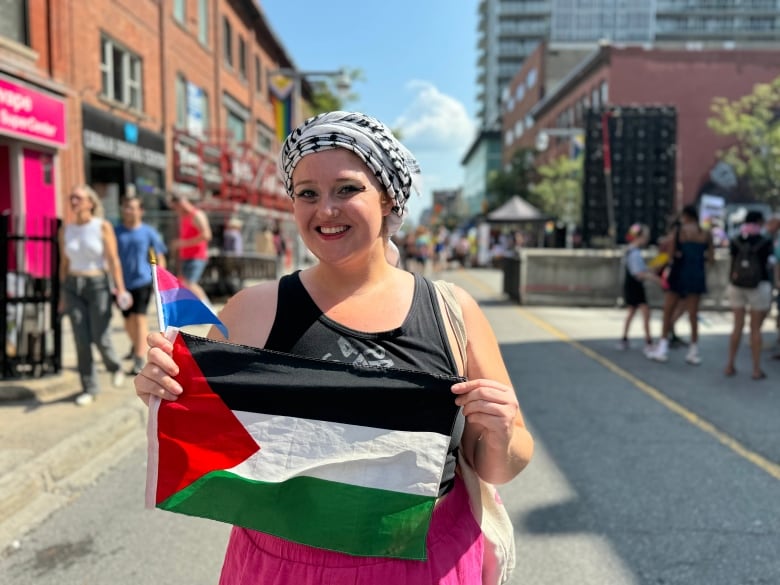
point(305, 194)
point(348, 190)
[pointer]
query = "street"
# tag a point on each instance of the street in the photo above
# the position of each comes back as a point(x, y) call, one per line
point(644, 473)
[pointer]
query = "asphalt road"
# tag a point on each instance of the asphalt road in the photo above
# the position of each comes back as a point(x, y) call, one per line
point(644, 473)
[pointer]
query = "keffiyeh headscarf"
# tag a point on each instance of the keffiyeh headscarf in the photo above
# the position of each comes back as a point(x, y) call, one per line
point(393, 165)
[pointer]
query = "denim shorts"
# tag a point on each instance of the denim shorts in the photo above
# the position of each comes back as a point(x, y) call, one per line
point(192, 270)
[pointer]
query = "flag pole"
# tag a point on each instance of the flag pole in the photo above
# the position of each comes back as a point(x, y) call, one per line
point(156, 288)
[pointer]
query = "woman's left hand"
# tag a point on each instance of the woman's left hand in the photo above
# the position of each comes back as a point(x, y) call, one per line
point(490, 405)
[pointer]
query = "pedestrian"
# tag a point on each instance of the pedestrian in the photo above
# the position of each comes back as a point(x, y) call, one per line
point(134, 239)
point(690, 250)
point(750, 289)
point(280, 248)
point(773, 230)
point(192, 245)
point(349, 180)
point(635, 274)
point(88, 257)
point(232, 239)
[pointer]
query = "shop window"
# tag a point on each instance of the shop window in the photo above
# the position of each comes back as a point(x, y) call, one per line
point(121, 75)
point(242, 57)
point(203, 22)
point(180, 10)
point(227, 41)
point(13, 24)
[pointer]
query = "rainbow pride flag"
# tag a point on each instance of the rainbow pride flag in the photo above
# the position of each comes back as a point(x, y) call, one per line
point(180, 306)
point(282, 100)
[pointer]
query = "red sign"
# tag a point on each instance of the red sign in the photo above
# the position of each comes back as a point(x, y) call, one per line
point(31, 115)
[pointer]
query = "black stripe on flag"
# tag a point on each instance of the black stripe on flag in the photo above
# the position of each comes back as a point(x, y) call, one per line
point(257, 380)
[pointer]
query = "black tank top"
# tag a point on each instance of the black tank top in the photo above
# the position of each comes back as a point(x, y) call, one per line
point(420, 343)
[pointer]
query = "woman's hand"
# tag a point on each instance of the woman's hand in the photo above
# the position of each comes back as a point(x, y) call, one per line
point(156, 377)
point(491, 406)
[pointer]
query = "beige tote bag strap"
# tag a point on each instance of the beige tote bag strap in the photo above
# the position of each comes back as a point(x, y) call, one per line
point(454, 315)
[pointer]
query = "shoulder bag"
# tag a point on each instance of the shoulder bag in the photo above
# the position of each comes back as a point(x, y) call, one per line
point(499, 536)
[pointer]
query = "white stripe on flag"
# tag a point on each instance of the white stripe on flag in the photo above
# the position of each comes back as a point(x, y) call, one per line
point(401, 461)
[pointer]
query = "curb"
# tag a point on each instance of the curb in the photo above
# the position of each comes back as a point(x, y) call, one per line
point(48, 388)
point(49, 473)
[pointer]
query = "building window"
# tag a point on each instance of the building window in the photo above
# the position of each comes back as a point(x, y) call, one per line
point(236, 125)
point(181, 101)
point(121, 75)
point(227, 41)
point(203, 22)
point(604, 91)
point(258, 75)
point(242, 57)
point(180, 10)
point(13, 24)
point(265, 137)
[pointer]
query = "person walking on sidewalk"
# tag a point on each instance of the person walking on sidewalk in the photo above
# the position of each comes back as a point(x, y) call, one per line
point(134, 239)
point(349, 179)
point(691, 250)
point(88, 255)
point(750, 289)
point(192, 245)
point(636, 273)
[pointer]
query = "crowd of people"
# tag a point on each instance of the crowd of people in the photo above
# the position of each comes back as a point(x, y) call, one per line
point(754, 272)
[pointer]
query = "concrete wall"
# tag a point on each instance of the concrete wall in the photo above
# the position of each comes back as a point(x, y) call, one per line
point(591, 278)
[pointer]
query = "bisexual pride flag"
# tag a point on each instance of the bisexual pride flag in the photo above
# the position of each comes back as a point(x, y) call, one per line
point(179, 305)
point(326, 454)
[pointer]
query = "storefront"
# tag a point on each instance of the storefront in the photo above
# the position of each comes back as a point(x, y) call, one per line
point(117, 154)
point(32, 131)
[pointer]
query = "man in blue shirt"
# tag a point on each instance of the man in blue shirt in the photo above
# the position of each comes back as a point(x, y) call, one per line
point(134, 239)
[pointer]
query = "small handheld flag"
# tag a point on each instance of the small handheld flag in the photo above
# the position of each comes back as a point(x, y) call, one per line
point(179, 306)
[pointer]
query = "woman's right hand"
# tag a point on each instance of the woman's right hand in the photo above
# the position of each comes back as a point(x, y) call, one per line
point(156, 377)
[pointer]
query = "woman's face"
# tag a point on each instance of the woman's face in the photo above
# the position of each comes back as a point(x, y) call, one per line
point(80, 201)
point(338, 205)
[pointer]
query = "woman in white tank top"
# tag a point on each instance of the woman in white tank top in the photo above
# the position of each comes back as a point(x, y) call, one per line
point(88, 254)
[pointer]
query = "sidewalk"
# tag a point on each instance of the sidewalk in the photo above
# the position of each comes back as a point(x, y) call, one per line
point(46, 441)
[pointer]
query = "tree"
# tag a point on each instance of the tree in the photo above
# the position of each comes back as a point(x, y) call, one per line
point(754, 122)
point(327, 98)
point(558, 193)
point(503, 185)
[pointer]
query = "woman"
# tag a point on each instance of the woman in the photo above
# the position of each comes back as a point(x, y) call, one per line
point(690, 248)
point(349, 180)
point(88, 247)
point(192, 245)
point(746, 300)
point(636, 273)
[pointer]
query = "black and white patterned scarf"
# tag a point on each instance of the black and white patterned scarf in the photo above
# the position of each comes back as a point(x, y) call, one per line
point(393, 165)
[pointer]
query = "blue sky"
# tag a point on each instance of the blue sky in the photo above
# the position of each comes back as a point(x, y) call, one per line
point(418, 60)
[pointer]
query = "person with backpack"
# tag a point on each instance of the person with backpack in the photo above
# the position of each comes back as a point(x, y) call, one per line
point(750, 289)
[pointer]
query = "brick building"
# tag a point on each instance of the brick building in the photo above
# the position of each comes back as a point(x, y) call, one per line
point(686, 80)
point(157, 95)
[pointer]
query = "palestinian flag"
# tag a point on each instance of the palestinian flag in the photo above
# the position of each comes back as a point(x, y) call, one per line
point(326, 454)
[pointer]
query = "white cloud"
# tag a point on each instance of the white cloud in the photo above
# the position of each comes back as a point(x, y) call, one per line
point(434, 121)
point(438, 130)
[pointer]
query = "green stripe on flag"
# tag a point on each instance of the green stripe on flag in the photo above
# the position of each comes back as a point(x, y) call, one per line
point(324, 514)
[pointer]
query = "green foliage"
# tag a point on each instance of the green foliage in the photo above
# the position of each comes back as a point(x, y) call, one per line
point(327, 98)
point(754, 122)
point(559, 189)
point(503, 185)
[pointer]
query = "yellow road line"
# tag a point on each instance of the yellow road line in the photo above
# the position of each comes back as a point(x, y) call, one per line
point(760, 461)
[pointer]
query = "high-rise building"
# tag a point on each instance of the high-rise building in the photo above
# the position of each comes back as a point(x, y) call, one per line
point(509, 31)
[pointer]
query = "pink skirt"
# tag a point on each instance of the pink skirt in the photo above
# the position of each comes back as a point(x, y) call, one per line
point(455, 546)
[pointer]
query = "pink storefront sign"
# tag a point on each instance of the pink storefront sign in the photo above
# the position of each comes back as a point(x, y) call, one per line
point(31, 115)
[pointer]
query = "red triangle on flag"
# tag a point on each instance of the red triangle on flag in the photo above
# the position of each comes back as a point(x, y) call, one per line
point(197, 433)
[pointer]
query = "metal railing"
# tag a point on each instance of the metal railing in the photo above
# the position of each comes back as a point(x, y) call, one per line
point(29, 296)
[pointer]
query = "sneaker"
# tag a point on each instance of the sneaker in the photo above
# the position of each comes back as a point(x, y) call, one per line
point(84, 399)
point(658, 354)
point(693, 357)
point(648, 349)
point(136, 369)
point(622, 345)
point(118, 379)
